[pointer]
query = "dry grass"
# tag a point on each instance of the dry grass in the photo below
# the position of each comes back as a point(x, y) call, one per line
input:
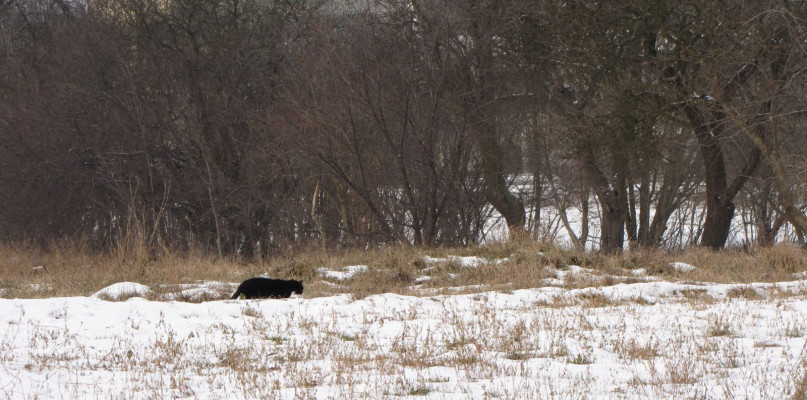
point(774, 264)
point(800, 392)
point(70, 268)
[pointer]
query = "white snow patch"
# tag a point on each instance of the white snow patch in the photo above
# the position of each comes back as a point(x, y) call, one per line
point(40, 287)
point(573, 270)
point(333, 285)
point(201, 291)
point(58, 313)
point(194, 295)
point(467, 261)
point(348, 272)
point(122, 290)
point(682, 267)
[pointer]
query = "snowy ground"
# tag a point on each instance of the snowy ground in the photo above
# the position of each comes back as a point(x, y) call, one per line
point(647, 340)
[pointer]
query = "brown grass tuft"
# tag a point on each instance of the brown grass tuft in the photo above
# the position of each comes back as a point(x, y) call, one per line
point(777, 263)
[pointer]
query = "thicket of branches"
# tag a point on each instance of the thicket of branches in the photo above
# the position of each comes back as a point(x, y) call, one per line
point(246, 126)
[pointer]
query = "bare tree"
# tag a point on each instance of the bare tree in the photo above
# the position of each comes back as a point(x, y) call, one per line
point(244, 127)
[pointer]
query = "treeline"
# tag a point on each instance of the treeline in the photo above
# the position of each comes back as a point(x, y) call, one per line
point(247, 126)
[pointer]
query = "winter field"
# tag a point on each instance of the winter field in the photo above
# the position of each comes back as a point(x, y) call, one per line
point(582, 334)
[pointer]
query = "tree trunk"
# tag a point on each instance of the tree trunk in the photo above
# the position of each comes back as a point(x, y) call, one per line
point(631, 215)
point(613, 201)
point(787, 198)
point(669, 199)
point(719, 208)
point(767, 229)
point(483, 113)
point(718, 222)
point(644, 206)
point(496, 190)
point(719, 195)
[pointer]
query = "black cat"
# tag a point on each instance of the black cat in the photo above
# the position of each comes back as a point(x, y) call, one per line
point(261, 288)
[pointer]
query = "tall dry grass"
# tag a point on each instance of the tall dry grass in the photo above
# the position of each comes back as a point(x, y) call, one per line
point(71, 268)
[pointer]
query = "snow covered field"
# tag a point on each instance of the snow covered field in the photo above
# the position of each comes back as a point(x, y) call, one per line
point(646, 340)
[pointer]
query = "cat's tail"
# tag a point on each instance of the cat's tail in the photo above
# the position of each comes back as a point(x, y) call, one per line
point(236, 294)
